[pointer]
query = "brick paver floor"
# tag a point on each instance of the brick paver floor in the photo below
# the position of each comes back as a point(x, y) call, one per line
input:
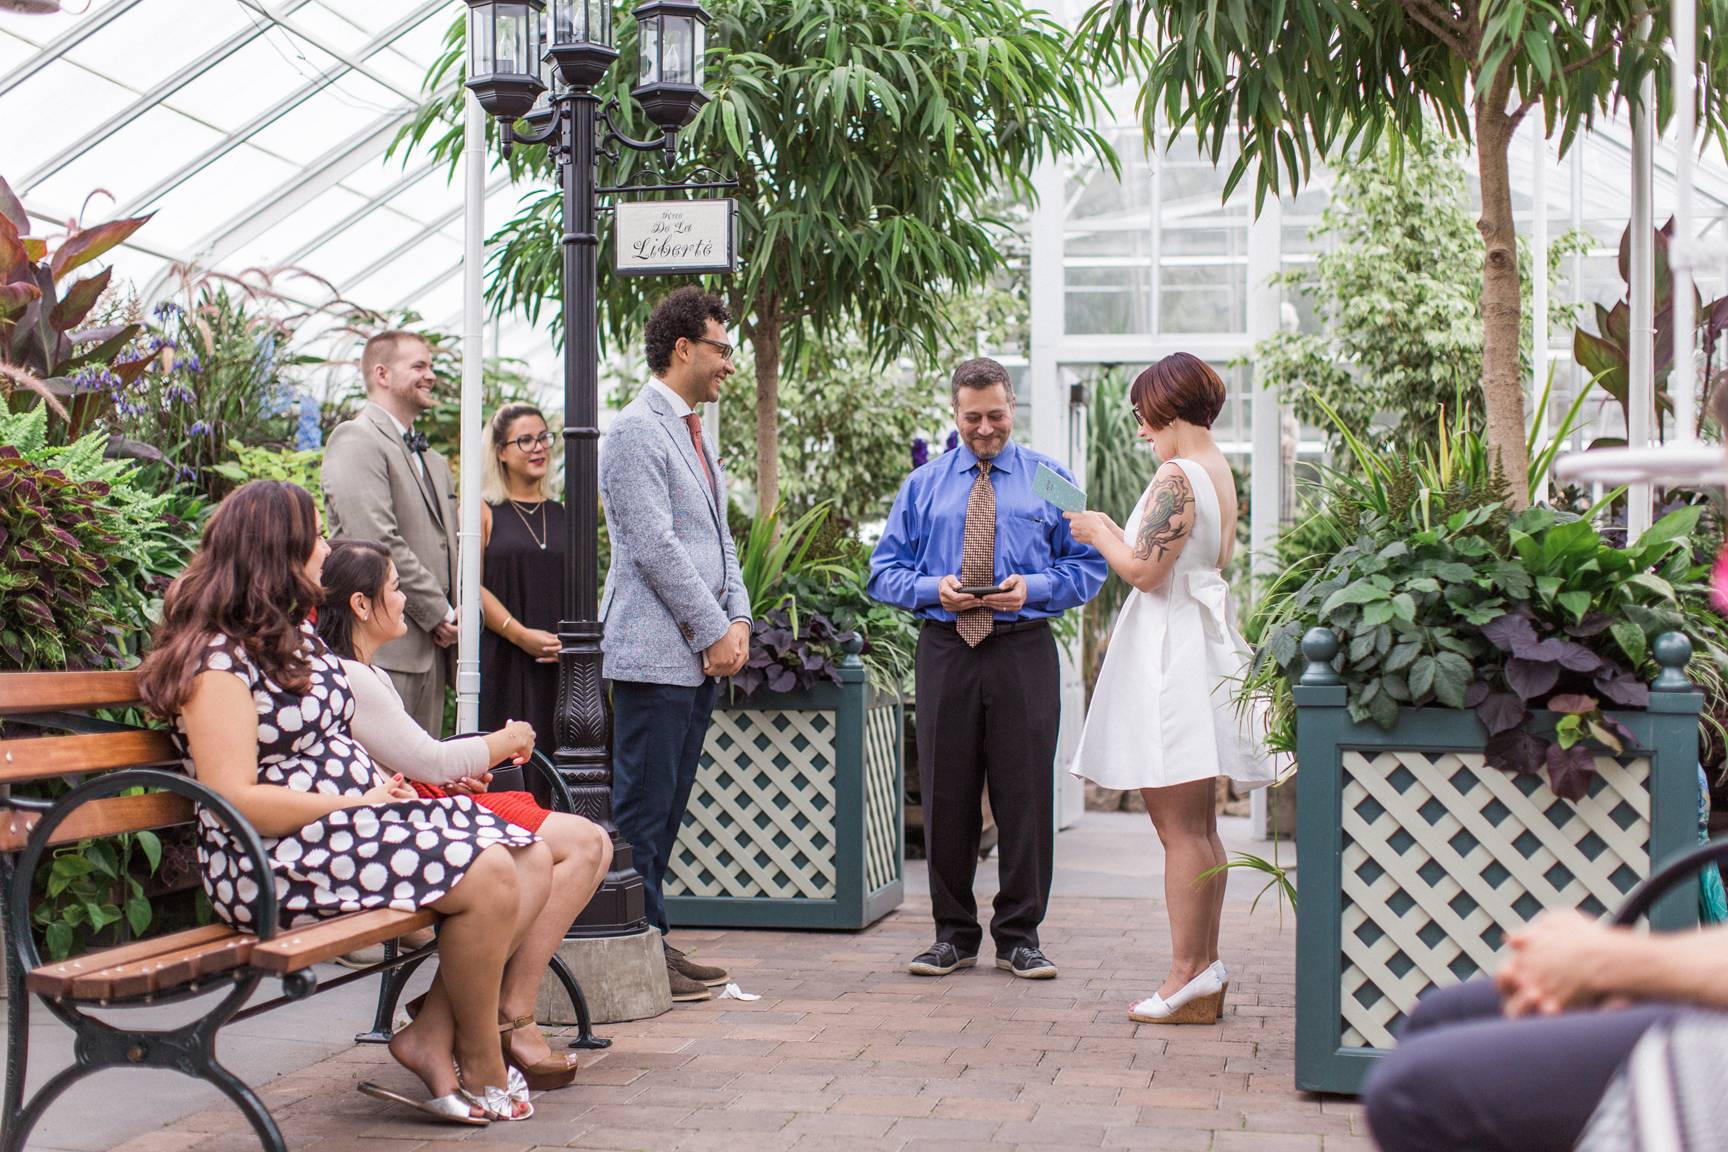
point(846, 1051)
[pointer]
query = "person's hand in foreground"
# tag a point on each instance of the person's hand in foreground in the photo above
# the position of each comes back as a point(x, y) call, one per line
point(727, 655)
point(1092, 528)
point(444, 635)
point(1563, 960)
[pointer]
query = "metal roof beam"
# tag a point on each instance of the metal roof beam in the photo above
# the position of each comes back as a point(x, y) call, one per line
point(431, 228)
point(286, 199)
point(408, 180)
point(59, 45)
point(277, 111)
point(354, 63)
point(147, 101)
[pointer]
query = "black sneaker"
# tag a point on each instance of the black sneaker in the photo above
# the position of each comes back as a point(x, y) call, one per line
point(1027, 963)
point(939, 960)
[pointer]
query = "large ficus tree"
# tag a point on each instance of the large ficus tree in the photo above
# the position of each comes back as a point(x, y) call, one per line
point(870, 139)
point(1305, 80)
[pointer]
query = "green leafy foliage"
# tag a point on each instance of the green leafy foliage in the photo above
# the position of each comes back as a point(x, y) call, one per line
point(253, 462)
point(1119, 466)
point(838, 593)
point(1396, 292)
point(1477, 609)
point(1606, 354)
point(874, 142)
point(1307, 81)
point(43, 344)
point(87, 887)
point(83, 549)
point(768, 557)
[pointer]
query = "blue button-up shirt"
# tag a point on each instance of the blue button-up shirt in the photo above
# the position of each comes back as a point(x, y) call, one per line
point(926, 530)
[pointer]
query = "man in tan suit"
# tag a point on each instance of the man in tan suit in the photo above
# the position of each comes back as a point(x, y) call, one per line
point(382, 483)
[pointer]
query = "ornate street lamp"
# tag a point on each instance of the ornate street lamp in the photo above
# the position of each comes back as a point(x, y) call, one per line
point(508, 84)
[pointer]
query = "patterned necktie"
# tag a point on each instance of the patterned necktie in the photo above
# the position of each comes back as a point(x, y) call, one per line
point(694, 422)
point(978, 555)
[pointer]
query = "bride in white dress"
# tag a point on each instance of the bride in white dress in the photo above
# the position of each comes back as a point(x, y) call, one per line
point(1161, 718)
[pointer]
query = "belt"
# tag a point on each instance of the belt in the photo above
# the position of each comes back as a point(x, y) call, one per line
point(1000, 627)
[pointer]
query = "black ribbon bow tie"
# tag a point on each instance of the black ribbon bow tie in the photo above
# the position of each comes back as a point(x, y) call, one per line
point(416, 441)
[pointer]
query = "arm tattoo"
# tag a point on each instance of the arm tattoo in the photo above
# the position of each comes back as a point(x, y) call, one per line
point(1171, 497)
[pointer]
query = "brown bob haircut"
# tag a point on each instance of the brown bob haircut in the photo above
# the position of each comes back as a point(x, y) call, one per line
point(1178, 387)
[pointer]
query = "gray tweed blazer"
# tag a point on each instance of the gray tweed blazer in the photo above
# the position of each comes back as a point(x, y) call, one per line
point(674, 586)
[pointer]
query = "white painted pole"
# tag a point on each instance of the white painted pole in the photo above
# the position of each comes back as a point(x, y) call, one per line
point(1539, 276)
point(1683, 379)
point(1641, 390)
point(473, 367)
point(1266, 468)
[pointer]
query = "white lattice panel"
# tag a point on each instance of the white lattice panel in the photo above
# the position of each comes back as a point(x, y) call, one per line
point(1443, 857)
point(761, 817)
point(882, 738)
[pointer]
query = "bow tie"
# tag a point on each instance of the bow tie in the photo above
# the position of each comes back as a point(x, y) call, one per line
point(416, 441)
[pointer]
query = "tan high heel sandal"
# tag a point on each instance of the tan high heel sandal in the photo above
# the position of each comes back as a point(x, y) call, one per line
point(550, 1074)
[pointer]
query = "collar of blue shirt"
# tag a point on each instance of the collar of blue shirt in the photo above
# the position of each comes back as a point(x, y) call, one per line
point(966, 461)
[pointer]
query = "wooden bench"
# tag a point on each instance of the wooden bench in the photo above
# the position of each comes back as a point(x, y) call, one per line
point(114, 759)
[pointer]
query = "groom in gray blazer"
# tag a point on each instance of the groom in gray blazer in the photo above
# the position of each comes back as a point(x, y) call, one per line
point(676, 613)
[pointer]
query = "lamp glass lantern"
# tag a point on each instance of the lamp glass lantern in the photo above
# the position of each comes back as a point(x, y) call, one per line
point(581, 22)
point(504, 54)
point(671, 46)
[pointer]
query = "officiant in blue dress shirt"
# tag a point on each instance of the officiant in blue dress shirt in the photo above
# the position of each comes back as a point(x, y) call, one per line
point(988, 677)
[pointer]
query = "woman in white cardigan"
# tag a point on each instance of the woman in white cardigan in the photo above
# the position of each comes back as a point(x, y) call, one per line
point(362, 610)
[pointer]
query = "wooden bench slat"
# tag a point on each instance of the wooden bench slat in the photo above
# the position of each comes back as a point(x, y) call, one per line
point(171, 970)
point(100, 818)
point(44, 756)
point(66, 691)
point(56, 979)
point(315, 943)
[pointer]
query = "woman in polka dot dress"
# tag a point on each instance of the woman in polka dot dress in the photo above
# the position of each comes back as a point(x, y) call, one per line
point(263, 708)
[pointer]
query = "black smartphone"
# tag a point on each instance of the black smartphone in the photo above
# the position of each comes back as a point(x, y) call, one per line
point(981, 591)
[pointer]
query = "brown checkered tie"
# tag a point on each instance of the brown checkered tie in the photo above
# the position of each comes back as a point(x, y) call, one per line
point(978, 555)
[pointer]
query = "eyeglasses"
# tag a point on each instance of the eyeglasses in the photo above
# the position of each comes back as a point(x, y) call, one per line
point(1138, 417)
point(725, 349)
point(526, 442)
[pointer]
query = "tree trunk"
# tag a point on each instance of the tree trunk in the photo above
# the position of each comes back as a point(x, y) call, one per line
point(1502, 314)
point(765, 351)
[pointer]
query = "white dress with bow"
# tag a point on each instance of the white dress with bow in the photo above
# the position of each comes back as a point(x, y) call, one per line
point(1161, 711)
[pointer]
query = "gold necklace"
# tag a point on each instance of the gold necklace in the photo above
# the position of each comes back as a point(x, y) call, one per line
point(540, 539)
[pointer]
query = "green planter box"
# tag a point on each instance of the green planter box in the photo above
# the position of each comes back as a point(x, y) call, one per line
point(1415, 859)
point(795, 820)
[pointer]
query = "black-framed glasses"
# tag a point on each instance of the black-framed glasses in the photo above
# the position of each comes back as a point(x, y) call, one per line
point(725, 349)
point(527, 442)
point(1139, 418)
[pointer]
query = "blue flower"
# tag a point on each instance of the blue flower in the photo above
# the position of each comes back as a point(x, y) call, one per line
point(953, 441)
point(308, 434)
point(198, 429)
point(920, 452)
point(178, 394)
point(190, 364)
point(166, 309)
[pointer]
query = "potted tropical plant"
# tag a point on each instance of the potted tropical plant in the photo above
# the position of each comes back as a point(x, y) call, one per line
point(1467, 689)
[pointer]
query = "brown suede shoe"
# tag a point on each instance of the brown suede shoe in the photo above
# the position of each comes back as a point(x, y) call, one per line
point(701, 973)
point(684, 988)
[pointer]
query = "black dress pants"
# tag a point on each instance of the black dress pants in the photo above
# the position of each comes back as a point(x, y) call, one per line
point(1466, 1079)
point(987, 718)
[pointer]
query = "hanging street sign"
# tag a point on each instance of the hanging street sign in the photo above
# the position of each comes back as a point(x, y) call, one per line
point(661, 237)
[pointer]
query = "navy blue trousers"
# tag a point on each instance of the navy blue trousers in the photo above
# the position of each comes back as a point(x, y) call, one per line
point(657, 732)
point(1466, 1079)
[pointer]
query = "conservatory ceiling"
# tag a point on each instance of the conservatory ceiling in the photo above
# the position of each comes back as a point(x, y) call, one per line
point(256, 132)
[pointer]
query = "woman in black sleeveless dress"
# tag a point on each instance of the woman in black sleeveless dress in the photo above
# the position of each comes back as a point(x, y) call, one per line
point(522, 593)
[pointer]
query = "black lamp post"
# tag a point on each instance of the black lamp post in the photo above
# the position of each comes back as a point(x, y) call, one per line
point(504, 68)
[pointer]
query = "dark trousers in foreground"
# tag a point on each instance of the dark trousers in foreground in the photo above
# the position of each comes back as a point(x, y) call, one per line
point(1466, 1079)
point(987, 718)
point(657, 732)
